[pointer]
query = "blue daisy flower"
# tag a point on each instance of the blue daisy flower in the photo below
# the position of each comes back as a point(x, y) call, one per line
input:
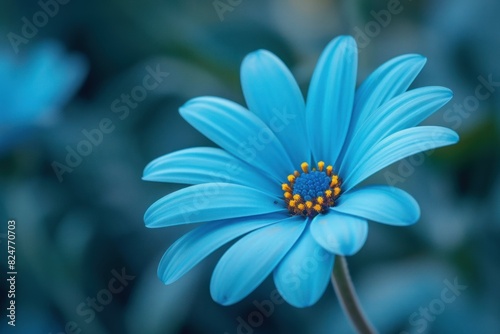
point(284, 178)
point(33, 87)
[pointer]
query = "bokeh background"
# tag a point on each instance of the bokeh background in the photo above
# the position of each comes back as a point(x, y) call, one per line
point(75, 233)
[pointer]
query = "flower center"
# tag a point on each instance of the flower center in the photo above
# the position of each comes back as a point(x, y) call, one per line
point(311, 192)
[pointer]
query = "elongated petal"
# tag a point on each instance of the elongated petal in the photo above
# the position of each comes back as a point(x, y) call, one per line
point(339, 233)
point(406, 110)
point(398, 146)
point(199, 243)
point(209, 202)
point(383, 204)
point(330, 98)
point(303, 275)
point(207, 164)
point(251, 259)
point(239, 132)
point(272, 93)
point(389, 80)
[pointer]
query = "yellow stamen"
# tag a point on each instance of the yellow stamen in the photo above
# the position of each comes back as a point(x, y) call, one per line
point(288, 195)
point(292, 203)
point(335, 181)
point(328, 193)
point(336, 191)
point(304, 166)
point(301, 207)
point(320, 200)
point(291, 178)
point(296, 197)
point(329, 170)
point(317, 207)
point(309, 204)
point(286, 187)
point(321, 165)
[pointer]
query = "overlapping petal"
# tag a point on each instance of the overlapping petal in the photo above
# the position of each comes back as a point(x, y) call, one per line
point(383, 204)
point(303, 275)
point(209, 202)
point(330, 98)
point(387, 81)
point(272, 93)
point(406, 110)
point(396, 147)
point(239, 132)
point(204, 165)
point(238, 192)
point(199, 243)
point(252, 258)
point(339, 233)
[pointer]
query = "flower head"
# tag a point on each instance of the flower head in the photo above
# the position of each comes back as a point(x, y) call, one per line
point(284, 180)
point(35, 85)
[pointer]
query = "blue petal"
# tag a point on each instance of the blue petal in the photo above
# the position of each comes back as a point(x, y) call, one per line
point(208, 202)
point(383, 204)
point(330, 98)
point(250, 260)
point(406, 110)
point(272, 93)
point(303, 275)
point(389, 80)
point(196, 245)
point(239, 132)
point(396, 147)
point(207, 164)
point(339, 233)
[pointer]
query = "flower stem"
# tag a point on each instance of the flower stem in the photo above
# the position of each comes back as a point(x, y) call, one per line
point(346, 294)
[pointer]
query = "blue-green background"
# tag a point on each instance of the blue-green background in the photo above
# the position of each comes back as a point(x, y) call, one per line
point(72, 234)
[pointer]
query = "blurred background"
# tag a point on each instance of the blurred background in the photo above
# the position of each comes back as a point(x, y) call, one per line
point(90, 92)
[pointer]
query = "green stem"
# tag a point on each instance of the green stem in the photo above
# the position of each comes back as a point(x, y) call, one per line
point(346, 294)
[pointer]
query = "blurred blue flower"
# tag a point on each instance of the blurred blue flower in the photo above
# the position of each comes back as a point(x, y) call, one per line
point(286, 171)
point(32, 88)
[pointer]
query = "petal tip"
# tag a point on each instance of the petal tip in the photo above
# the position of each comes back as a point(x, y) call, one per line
point(419, 59)
point(256, 55)
point(455, 137)
point(146, 173)
point(221, 298)
point(259, 60)
point(345, 42)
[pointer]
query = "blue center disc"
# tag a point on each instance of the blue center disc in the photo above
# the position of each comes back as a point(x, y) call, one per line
point(311, 185)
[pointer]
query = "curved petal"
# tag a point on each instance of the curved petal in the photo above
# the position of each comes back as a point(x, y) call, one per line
point(199, 243)
point(272, 93)
point(387, 81)
point(396, 147)
point(252, 258)
point(330, 98)
point(339, 233)
point(383, 204)
point(239, 132)
point(208, 202)
point(404, 111)
point(303, 275)
point(207, 164)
